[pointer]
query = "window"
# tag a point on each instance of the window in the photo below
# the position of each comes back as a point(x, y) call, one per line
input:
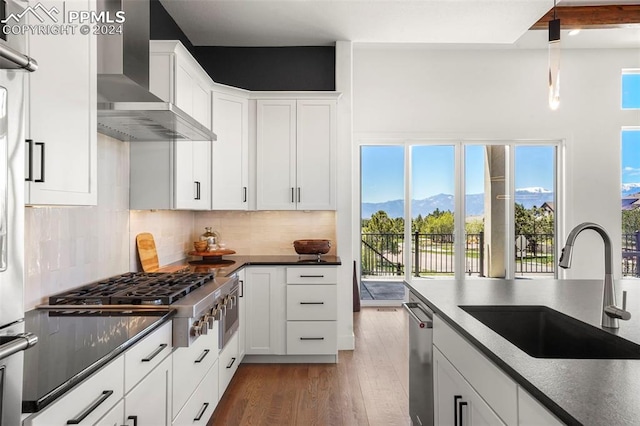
point(630, 179)
point(630, 89)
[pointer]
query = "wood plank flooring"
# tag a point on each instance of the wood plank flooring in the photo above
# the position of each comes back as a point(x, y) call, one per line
point(368, 386)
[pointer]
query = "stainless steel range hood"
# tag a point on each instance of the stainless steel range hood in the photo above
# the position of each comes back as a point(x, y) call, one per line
point(126, 109)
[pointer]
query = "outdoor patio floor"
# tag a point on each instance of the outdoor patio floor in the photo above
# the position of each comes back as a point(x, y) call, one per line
point(381, 290)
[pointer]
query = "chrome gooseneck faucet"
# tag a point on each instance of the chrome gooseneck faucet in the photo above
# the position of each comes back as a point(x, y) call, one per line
point(610, 312)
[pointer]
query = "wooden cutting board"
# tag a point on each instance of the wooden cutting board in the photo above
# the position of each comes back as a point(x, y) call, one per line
point(147, 252)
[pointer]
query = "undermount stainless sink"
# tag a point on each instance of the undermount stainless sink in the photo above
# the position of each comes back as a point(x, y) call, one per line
point(543, 332)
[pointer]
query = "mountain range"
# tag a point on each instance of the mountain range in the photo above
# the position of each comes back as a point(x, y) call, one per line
point(630, 188)
point(528, 197)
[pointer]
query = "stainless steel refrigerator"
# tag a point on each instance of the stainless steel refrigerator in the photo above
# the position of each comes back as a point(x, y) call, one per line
point(13, 340)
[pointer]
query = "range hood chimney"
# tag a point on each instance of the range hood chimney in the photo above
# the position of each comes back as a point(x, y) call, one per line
point(127, 110)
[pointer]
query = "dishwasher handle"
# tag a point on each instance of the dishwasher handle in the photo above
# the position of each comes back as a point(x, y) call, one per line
point(410, 306)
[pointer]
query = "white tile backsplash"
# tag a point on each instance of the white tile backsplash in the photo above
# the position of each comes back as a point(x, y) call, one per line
point(267, 232)
point(171, 230)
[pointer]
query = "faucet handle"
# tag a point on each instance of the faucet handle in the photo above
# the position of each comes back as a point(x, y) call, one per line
point(615, 312)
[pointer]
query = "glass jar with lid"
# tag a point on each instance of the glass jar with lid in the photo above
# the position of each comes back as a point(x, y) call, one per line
point(211, 237)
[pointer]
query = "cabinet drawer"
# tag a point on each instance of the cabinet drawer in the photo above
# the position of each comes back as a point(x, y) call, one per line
point(191, 364)
point(494, 386)
point(102, 391)
point(227, 364)
point(202, 403)
point(455, 401)
point(145, 355)
point(312, 275)
point(312, 338)
point(312, 303)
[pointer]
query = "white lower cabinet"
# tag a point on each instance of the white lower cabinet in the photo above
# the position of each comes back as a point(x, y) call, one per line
point(311, 338)
point(191, 364)
point(456, 403)
point(469, 389)
point(201, 405)
point(242, 304)
point(228, 364)
point(312, 310)
point(265, 293)
point(86, 403)
point(149, 402)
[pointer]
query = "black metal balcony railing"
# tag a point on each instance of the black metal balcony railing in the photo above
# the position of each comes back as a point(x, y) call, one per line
point(630, 254)
point(433, 254)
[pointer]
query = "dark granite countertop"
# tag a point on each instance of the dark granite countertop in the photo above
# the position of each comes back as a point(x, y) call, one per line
point(71, 348)
point(578, 391)
point(236, 262)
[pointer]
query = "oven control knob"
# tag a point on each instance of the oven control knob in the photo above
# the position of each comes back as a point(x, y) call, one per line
point(209, 320)
point(196, 329)
point(204, 327)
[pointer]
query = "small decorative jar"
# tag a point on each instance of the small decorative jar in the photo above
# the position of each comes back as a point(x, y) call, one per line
point(211, 237)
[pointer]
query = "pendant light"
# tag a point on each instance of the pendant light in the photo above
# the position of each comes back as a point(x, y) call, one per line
point(554, 61)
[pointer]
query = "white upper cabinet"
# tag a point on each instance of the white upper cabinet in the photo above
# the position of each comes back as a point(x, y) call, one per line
point(193, 175)
point(61, 153)
point(230, 153)
point(176, 77)
point(296, 150)
point(169, 175)
point(174, 174)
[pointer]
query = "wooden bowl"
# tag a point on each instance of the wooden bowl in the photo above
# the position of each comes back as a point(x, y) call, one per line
point(200, 245)
point(312, 246)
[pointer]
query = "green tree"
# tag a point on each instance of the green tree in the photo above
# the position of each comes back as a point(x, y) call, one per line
point(630, 221)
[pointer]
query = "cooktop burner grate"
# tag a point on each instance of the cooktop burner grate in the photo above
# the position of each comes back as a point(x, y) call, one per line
point(134, 288)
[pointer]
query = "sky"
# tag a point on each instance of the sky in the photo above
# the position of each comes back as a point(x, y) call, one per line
point(631, 156)
point(433, 170)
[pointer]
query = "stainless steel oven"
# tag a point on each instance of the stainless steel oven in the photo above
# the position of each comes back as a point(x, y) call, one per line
point(13, 341)
point(228, 308)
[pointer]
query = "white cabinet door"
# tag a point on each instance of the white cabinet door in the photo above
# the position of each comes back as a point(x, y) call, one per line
point(192, 175)
point(170, 175)
point(230, 153)
point(242, 304)
point(200, 407)
point(265, 301)
point(316, 155)
point(61, 113)
point(456, 403)
point(191, 364)
point(296, 150)
point(276, 155)
point(227, 364)
point(149, 402)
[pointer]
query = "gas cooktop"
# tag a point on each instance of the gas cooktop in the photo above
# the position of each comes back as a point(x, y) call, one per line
point(134, 288)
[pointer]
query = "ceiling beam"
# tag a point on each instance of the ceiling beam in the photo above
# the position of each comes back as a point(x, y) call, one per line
point(581, 17)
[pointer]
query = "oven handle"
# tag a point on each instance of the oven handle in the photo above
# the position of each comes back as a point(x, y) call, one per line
point(21, 342)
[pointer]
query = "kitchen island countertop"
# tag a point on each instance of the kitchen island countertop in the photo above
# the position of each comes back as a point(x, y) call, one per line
point(578, 391)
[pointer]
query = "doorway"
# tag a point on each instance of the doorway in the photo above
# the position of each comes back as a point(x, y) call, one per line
point(462, 209)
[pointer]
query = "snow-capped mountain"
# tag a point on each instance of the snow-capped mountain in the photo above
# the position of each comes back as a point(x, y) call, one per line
point(630, 188)
point(528, 197)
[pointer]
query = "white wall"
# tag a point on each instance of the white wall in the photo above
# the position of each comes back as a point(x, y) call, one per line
point(501, 94)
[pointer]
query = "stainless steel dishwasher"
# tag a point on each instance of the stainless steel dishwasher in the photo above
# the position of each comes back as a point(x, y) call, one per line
point(420, 361)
